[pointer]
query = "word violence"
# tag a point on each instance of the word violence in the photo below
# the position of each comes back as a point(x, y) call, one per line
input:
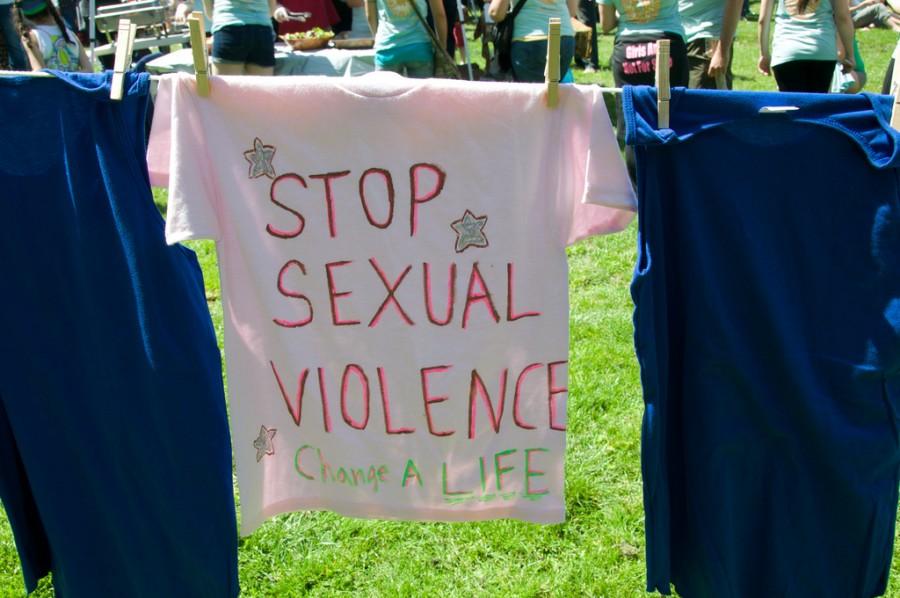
point(354, 388)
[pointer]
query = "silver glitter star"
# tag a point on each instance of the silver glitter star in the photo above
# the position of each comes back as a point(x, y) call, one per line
point(263, 443)
point(469, 231)
point(260, 158)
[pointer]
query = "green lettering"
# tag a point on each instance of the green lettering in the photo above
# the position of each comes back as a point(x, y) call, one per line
point(410, 471)
point(533, 473)
point(498, 470)
point(297, 465)
point(445, 489)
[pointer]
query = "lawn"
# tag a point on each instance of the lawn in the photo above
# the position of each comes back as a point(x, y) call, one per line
point(597, 552)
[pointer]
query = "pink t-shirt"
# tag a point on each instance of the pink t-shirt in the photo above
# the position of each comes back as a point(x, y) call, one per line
point(394, 282)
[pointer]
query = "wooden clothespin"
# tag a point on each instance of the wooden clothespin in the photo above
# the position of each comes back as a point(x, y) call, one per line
point(198, 47)
point(551, 72)
point(663, 90)
point(895, 89)
point(124, 48)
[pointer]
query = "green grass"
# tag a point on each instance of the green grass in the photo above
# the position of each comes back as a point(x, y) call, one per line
point(597, 552)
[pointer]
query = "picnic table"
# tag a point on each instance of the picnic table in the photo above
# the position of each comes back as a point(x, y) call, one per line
point(331, 62)
point(149, 16)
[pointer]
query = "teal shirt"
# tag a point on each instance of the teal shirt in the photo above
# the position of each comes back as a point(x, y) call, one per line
point(240, 12)
point(810, 36)
point(647, 17)
point(702, 19)
point(531, 22)
point(398, 24)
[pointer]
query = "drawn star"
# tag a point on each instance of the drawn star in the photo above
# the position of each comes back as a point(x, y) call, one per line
point(263, 443)
point(260, 158)
point(469, 231)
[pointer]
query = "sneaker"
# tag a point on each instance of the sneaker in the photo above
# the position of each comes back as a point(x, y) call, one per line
point(590, 69)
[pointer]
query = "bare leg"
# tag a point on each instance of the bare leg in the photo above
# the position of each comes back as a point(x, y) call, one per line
point(224, 68)
point(254, 69)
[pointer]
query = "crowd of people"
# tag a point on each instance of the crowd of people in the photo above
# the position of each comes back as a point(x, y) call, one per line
point(811, 48)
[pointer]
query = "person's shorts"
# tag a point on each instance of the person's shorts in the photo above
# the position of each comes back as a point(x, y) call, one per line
point(244, 44)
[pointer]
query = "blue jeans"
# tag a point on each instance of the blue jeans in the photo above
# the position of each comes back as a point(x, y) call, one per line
point(414, 70)
point(529, 59)
point(17, 59)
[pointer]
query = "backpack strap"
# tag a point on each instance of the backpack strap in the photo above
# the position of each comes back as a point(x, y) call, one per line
point(516, 9)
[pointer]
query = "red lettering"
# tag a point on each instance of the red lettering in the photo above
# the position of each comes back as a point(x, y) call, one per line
point(426, 396)
point(364, 382)
point(510, 298)
point(323, 394)
point(301, 222)
point(386, 404)
point(334, 295)
point(484, 296)
point(552, 391)
point(415, 198)
point(451, 294)
point(295, 294)
point(389, 184)
point(329, 196)
point(391, 297)
point(517, 412)
point(476, 387)
point(295, 411)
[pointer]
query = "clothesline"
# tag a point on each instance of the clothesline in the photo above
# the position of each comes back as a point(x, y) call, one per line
point(42, 74)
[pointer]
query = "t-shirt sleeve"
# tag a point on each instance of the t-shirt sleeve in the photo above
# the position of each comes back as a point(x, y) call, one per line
point(604, 200)
point(177, 160)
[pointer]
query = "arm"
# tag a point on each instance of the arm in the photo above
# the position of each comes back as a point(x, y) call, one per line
point(765, 23)
point(608, 19)
point(844, 25)
point(30, 43)
point(372, 16)
point(573, 7)
point(209, 9)
point(498, 10)
point(278, 12)
point(440, 21)
point(722, 54)
point(83, 61)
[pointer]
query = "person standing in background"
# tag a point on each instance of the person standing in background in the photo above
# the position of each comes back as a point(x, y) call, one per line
point(709, 27)
point(588, 14)
point(804, 49)
point(14, 48)
point(401, 43)
point(243, 39)
point(639, 24)
point(49, 43)
point(529, 46)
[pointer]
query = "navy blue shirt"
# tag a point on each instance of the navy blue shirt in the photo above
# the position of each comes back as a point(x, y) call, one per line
point(115, 463)
point(767, 326)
